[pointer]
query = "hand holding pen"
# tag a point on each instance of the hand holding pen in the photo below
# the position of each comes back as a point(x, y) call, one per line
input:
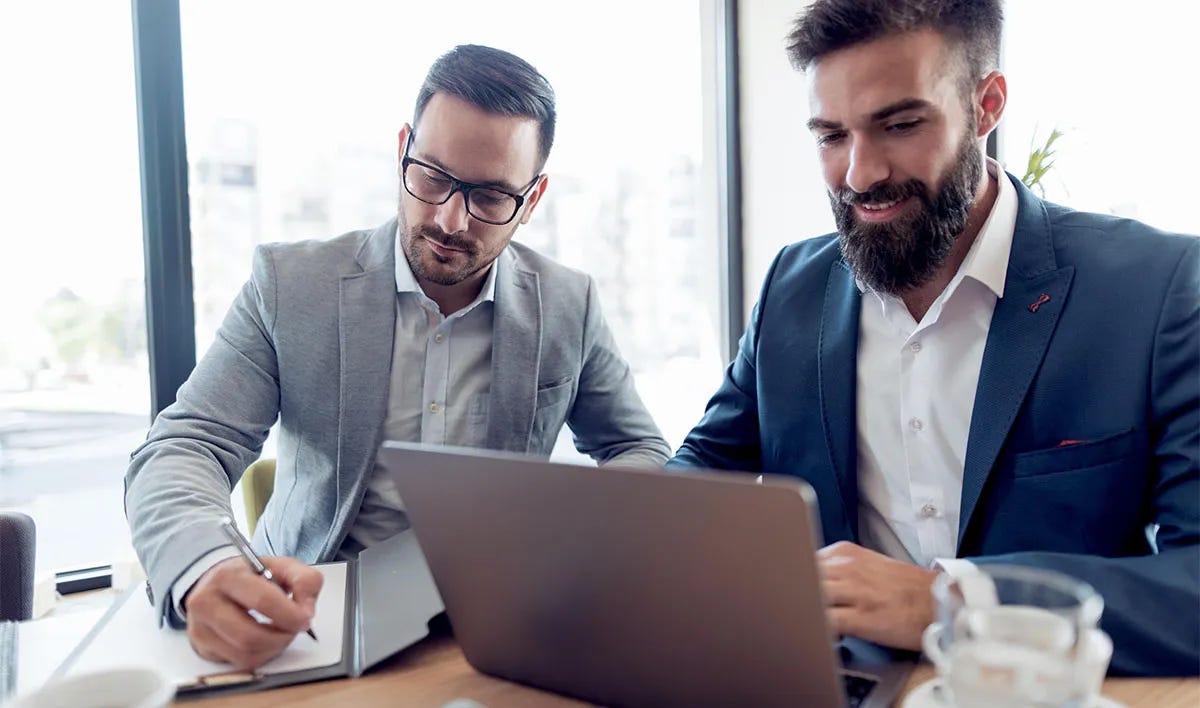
point(222, 607)
point(243, 547)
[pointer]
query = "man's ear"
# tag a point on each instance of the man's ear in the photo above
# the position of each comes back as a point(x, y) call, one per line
point(402, 142)
point(991, 95)
point(534, 196)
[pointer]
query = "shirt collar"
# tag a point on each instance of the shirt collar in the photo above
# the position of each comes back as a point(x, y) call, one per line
point(987, 260)
point(406, 282)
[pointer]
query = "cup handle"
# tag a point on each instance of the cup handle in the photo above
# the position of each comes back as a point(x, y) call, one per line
point(1093, 662)
point(932, 648)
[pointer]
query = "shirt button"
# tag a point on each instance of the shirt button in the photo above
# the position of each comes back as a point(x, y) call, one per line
point(915, 347)
point(433, 408)
point(916, 424)
point(928, 511)
point(438, 337)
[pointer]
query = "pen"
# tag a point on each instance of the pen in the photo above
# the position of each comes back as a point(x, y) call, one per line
point(243, 546)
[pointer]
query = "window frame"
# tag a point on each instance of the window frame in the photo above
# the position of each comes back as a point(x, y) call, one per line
point(170, 309)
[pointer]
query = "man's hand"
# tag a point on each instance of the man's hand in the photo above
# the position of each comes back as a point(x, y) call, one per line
point(874, 597)
point(219, 626)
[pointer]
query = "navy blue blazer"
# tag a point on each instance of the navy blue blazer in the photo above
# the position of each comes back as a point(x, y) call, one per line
point(1111, 357)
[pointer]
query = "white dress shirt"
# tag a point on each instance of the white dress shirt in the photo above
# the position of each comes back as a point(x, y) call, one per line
point(441, 376)
point(916, 391)
point(438, 393)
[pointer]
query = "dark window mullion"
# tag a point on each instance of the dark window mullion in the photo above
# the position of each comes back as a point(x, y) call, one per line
point(158, 70)
point(729, 175)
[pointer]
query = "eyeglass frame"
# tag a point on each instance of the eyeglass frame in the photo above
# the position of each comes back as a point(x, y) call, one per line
point(458, 185)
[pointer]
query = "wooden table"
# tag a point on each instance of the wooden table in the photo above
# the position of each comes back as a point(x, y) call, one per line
point(435, 672)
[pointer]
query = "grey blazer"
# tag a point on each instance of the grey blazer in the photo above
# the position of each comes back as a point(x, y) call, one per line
point(308, 341)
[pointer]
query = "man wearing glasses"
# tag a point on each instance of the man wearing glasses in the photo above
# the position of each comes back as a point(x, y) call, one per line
point(432, 328)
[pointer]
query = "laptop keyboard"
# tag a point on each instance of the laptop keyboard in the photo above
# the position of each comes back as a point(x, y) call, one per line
point(857, 688)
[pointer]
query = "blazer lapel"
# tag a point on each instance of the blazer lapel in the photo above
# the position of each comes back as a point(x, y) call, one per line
point(837, 376)
point(1035, 291)
point(366, 328)
point(516, 356)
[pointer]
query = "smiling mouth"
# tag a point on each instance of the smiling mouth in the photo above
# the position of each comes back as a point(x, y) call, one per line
point(880, 211)
point(880, 206)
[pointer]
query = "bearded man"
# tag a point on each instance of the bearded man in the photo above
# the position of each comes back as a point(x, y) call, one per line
point(964, 372)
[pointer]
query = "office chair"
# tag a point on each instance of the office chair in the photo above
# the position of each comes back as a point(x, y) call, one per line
point(18, 546)
point(258, 481)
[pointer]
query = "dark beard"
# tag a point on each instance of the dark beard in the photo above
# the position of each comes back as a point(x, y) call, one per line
point(471, 250)
point(907, 252)
point(409, 237)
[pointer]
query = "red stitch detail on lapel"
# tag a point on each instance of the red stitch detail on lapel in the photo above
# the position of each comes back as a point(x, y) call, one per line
point(1065, 443)
point(1042, 300)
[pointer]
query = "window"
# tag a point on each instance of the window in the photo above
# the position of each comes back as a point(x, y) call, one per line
point(292, 118)
point(1113, 78)
point(74, 390)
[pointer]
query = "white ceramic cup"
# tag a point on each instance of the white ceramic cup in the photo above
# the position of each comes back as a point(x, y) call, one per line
point(1087, 673)
point(113, 688)
point(1010, 636)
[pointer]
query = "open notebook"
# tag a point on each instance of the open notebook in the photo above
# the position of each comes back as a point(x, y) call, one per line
point(369, 609)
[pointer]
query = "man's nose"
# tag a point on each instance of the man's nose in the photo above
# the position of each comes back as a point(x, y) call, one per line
point(868, 167)
point(452, 217)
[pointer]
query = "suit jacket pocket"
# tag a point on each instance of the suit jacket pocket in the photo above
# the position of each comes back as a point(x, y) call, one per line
point(554, 397)
point(552, 387)
point(1076, 456)
point(549, 415)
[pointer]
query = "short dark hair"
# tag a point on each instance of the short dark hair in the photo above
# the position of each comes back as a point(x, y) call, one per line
point(495, 81)
point(826, 26)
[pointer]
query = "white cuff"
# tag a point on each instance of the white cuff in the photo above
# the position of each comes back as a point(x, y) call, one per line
point(977, 587)
point(194, 571)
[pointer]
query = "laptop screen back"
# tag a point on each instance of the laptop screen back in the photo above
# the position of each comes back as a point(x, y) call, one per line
point(624, 587)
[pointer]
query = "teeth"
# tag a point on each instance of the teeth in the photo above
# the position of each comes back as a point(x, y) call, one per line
point(880, 206)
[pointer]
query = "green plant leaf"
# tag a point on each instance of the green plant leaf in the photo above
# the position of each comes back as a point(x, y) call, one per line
point(1041, 160)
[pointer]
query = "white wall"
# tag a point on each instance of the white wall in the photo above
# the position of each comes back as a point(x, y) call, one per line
point(1112, 144)
point(783, 195)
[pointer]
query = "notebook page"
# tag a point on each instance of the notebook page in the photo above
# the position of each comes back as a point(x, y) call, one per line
point(132, 637)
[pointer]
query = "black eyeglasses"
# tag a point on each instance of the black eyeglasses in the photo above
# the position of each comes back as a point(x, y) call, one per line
point(433, 186)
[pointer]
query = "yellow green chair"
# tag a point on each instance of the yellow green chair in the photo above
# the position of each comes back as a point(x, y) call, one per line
point(258, 481)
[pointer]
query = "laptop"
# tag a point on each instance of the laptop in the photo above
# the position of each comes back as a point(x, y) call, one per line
point(634, 587)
